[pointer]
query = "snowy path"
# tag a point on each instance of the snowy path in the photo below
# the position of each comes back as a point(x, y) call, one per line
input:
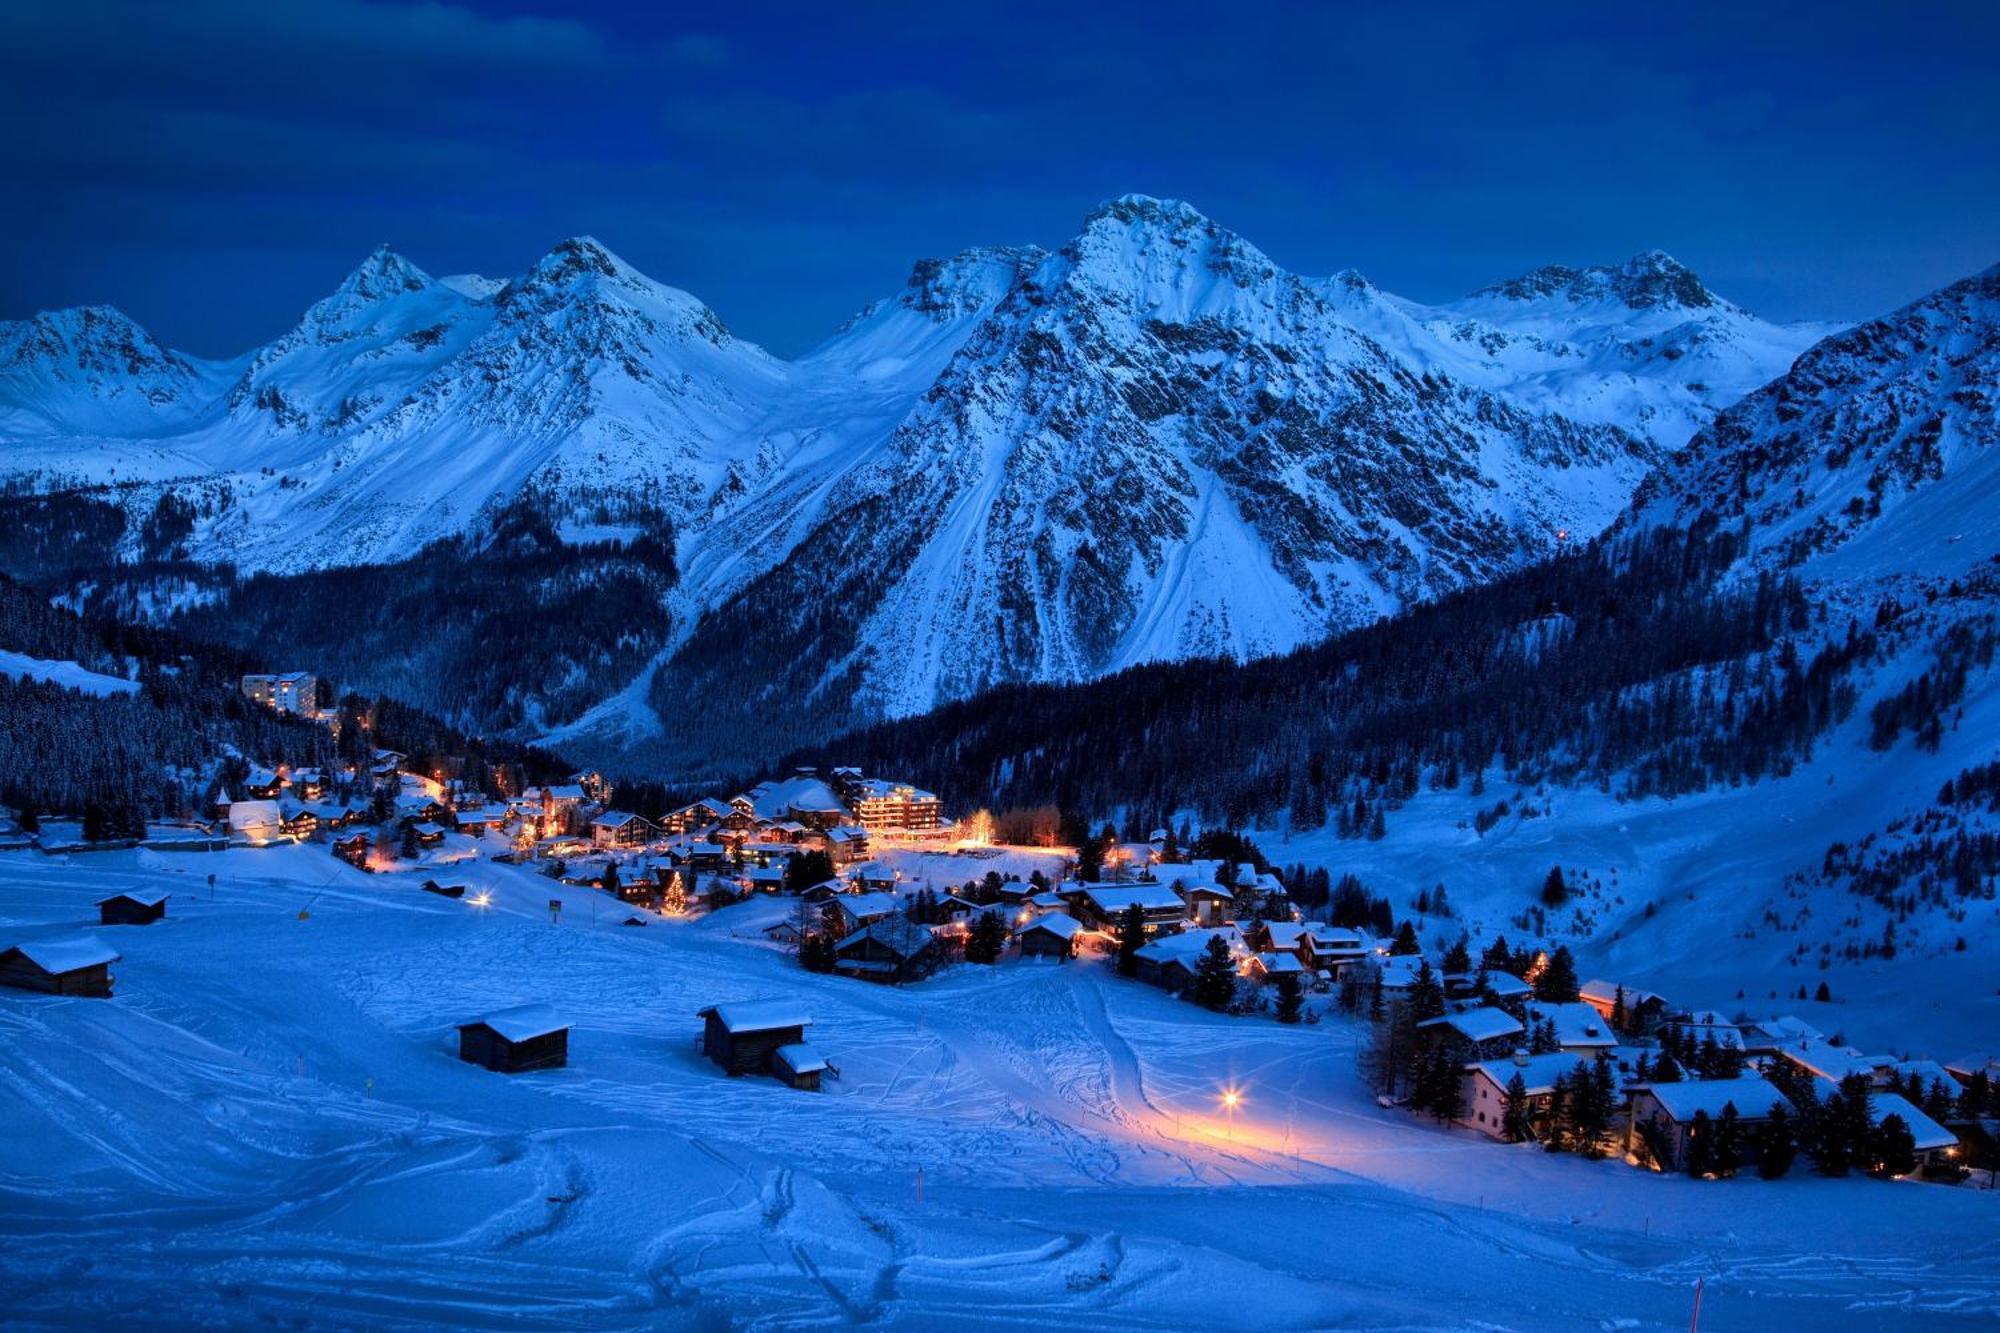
point(269, 1125)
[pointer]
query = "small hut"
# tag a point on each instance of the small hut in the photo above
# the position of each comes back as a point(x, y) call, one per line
point(79, 965)
point(799, 1066)
point(743, 1037)
point(132, 908)
point(514, 1041)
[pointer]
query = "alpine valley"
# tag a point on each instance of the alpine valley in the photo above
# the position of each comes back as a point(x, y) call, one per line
point(627, 532)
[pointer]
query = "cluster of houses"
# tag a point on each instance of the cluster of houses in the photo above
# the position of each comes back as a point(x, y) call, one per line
point(1502, 1033)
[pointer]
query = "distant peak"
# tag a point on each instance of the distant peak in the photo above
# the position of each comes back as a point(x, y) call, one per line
point(1652, 278)
point(1147, 210)
point(581, 257)
point(383, 274)
point(970, 280)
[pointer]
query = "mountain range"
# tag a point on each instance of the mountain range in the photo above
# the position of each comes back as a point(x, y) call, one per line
point(1150, 444)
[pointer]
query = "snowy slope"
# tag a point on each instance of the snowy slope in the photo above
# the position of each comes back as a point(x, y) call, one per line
point(69, 675)
point(268, 1124)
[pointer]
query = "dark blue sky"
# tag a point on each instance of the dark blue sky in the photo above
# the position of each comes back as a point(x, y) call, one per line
point(214, 166)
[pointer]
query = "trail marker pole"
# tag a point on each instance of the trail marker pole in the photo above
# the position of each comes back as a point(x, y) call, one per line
point(1694, 1324)
point(920, 1186)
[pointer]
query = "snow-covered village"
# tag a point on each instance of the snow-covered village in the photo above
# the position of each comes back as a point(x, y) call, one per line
point(986, 667)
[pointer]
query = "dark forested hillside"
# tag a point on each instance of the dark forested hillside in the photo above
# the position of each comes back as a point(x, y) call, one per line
point(1630, 661)
point(156, 751)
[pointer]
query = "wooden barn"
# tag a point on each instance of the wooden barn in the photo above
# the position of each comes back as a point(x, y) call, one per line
point(893, 950)
point(134, 908)
point(799, 1066)
point(514, 1041)
point(744, 1037)
point(79, 965)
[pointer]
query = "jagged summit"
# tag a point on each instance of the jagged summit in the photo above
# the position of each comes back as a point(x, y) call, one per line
point(383, 274)
point(90, 339)
point(1648, 280)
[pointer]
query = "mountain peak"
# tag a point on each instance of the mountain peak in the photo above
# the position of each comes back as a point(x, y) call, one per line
point(581, 258)
point(1649, 279)
point(384, 274)
point(1165, 251)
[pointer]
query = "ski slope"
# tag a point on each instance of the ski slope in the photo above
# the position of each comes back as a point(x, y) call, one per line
point(269, 1124)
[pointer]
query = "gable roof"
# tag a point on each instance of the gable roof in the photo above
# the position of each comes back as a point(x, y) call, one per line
point(1752, 1095)
point(758, 1015)
point(1928, 1133)
point(524, 1022)
point(70, 953)
point(1055, 923)
point(900, 935)
point(143, 897)
point(800, 1058)
point(1538, 1072)
point(1577, 1024)
point(1482, 1024)
point(1606, 992)
point(1112, 899)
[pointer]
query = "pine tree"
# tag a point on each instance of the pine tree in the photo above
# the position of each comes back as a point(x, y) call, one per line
point(1700, 1146)
point(1458, 958)
point(1514, 1114)
point(1215, 976)
point(1620, 1019)
point(1291, 997)
point(1131, 939)
point(1728, 1148)
point(988, 939)
point(1893, 1148)
point(1426, 994)
point(1405, 942)
point(1776, 1146)
point(1557, 983)
point(1555, 892)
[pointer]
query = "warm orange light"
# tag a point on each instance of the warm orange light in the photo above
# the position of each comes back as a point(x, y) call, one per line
point(1230, 1098)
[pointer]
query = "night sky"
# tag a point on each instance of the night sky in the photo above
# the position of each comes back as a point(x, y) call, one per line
point(214, 166)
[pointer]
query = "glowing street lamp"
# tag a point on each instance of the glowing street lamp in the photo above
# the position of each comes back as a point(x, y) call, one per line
point(1230, 1099)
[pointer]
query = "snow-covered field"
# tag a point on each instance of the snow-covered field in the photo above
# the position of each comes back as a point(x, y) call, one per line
point(269, 1124)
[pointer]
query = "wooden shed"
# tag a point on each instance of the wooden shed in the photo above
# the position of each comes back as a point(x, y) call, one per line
point(799, 1065)
point(514, 1041)
point(133, 908)
point(744, 1037)
point(79, 965)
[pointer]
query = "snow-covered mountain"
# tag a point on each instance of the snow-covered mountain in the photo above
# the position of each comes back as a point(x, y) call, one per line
point(1878, 453)
point(1153, 442)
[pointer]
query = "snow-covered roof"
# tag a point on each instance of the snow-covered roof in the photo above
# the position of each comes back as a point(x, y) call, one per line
point(1507, 986)
point(1189, 943)
point(759, 1015)
point(523, 1022)
point(1275, 963)
point(69, 953)
point(800, 1058)
point(1577, 1024)
point(1207, 891)
point(776, 800)
point(1928, 1133)
point(143, 897)
point(1285, 934)
point(863, 905)
point(1833, 1063)
point(255, 815)
point(1606, 992)
point(1112, 899)
point(1752, 1095)
point(1055, 923)
point(617, 819)
point(1400, 971)
point(1482, 1024)
point(1538, 1072)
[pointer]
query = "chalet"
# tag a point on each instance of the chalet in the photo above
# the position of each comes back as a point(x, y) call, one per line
point(135, 907)
point(1169, 961)
point(257, 823)
point(562, 807)
point(427, 833)
point(1051, 935)
point(892, 950)
point(873, 875)
point(352, 848)
point(1487, 1032)
point(1935, 1144)
point(824, 892)
point(1509, 992)
point(515, 1041)
point(308, 784)
point(333, 815)
point(865, 909)
point(745, 1036)
point(705, 855)
point(1643, 1009)
point(1047, 902)
point(1271, 966)
point(1103, 906)
point(1291, 937)
point(1826, 1060)
point(1767, 1036)
point(786, 932)
point(847, 843)
point(1486, 1083)
point(1208, 905)
point(262, 784)
point(77, 965)
point(1334, 947)
point(419, 806)
point(1579, 1027)
point(476, 823)
point(1396, 974)
point(621, 828)
point(693, 817)
point(764, 879)
point(1664, 1114)
point(298, 818)
point(1979, 1062)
